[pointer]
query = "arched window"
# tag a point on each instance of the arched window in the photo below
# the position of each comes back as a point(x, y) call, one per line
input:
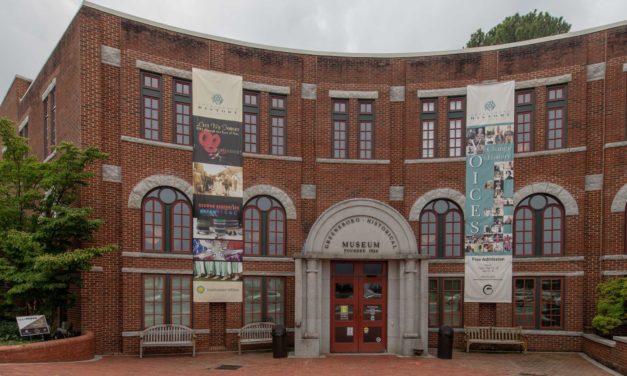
point(166, 221)
point(539, 227)
point(441, 229)
point(264, 227)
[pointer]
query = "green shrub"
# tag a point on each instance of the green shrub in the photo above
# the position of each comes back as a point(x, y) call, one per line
point(611, 305)
point(9, 331)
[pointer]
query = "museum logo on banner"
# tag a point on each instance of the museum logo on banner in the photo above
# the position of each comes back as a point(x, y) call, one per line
point(489, 208)
point(218, 184)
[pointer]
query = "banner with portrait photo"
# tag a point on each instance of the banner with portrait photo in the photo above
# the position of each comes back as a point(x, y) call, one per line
point(489, 193)
point(217, 178)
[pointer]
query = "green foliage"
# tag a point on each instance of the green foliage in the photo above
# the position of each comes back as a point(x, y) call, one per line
point(9, 331)
point(611, 305)
point(42, 226)
point(518, 28)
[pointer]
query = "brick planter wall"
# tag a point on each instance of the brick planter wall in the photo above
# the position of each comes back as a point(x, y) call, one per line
point(610, 353)
point(62, 350)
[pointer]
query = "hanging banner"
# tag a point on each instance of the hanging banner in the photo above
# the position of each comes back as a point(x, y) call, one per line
point(489, 193)
point(217, 177)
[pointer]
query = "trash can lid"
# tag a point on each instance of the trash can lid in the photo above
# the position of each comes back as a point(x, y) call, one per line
point(279, 330)
point(446, 330)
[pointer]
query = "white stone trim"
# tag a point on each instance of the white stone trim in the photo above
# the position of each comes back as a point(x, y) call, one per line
point(111, 173)
point(600, 340)
point(143, 141)
point(622, 339)
point(163, 69)
point(277, 193)
point(595, 72)
point(147, 184)
point(459, 260)
point(435, 160)
point(157, 255)
point(455, 330)
point(599, 365)
point(354, 94)
point(22, 124)
point(549, 274)
point(447, 193)
point(617, 144)
point(157, 271)
point(448, 92)
point(397, 93)
point(446, 275)
point(593, 182)
point(620, 200)
point(110, 56)
point(396, 223)
point(273, 157)
point(353, 161)
point(549, 259)
point(624, 67)
point(50, 156)
point(570, 205)
point(539, 332)
point(268, 274)
point(309, 91)
point(542, 153)
point(136, 333)
point(397, 193)
point(268, 259)
point(308, 191)
point(613, 258)
point(96, 269)
point(613, 273)
point(50, 87)
point(274, 89)
point(544, 81)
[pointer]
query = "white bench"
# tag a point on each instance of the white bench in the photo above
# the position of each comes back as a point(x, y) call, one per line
point(494, 335)
point(254, 333)
point(167, 335)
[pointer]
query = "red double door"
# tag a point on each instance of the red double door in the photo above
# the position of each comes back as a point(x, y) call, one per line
point(358, 306)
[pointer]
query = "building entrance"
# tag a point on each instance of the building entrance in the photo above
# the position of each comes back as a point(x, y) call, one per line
point(358, 306)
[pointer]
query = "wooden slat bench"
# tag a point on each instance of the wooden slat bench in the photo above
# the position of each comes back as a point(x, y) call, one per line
point(254, 333)
point(494, 335)
point(167, 335)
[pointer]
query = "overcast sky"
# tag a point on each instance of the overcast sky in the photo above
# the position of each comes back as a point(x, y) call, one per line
point(29, 29)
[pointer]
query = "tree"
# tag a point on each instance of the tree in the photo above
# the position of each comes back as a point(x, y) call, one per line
point(42, 227)
point(611, 305)
point(517, 28)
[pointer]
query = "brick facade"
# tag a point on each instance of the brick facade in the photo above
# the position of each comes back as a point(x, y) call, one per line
point(97, 83)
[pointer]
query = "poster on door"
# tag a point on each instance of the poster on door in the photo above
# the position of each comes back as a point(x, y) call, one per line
point(489, 193)
point(217, 178)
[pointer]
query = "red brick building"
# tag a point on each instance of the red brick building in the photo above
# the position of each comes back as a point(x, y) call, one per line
point(329, 132)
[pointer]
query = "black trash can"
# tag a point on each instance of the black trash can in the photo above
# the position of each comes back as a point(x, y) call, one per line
point(279, 342)
point(445, 342)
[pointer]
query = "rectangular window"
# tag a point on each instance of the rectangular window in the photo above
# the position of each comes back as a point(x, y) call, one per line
point(46, 120)
point(340, 128)
point(366, 129)
point(167, 300)
point(445, 302)
point(53, 119)
point(524, 121)
point(182, 111)
point(278, 119)
point(455, 127)
point(264, 300)
point(556, 117)
point(24, 131)
point(538, 303)
point(251, 121)
point(429, 119)
point(151, 106)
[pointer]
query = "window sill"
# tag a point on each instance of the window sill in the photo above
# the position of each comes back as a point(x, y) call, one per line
point(156, 143)
point(446, 260)
point(267, 259)
point(353, 161)
point(50, 156)
point(435, 160)
point(273, 157)
point(550, 152)
point(158, 255)
point(548, 259)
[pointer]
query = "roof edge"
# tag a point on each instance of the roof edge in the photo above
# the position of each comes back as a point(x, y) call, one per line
point(349, 54)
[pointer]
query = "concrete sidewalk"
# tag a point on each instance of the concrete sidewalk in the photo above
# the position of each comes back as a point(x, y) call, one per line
point(262, 363)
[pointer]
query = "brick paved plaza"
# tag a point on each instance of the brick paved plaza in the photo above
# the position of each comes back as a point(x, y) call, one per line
point(262, 363)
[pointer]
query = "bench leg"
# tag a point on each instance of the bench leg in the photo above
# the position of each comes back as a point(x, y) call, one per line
point(194, 350)
point(239, 348)
point(141, 351)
